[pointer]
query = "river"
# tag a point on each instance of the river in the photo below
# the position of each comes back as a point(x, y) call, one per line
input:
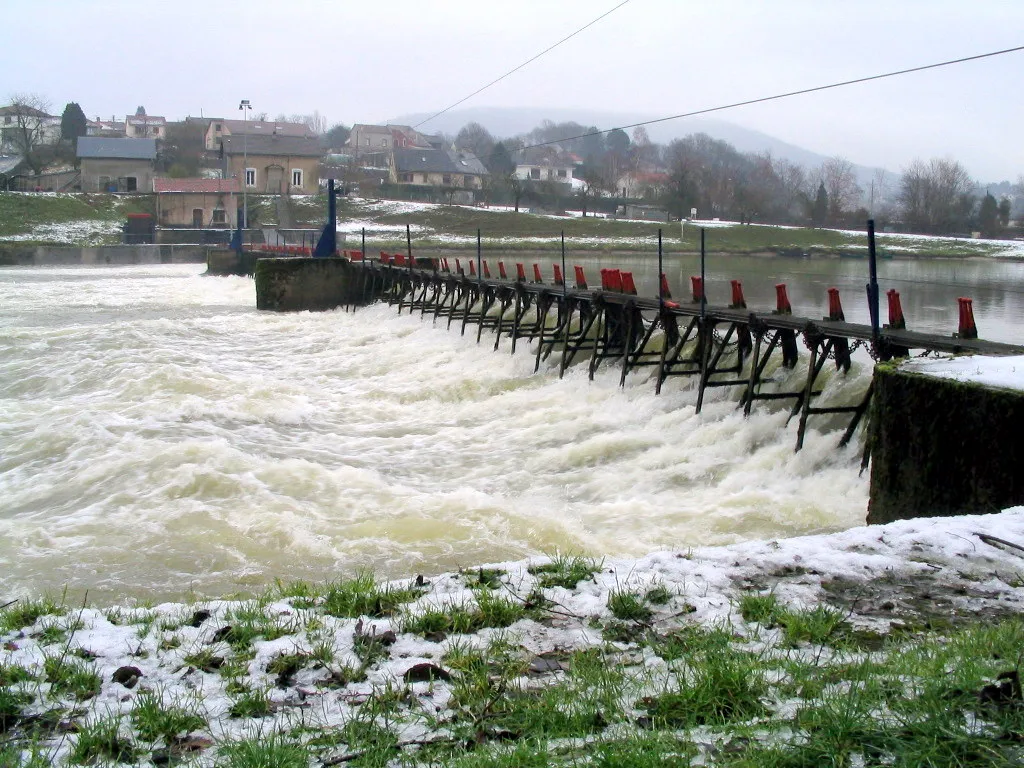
point(159, 437)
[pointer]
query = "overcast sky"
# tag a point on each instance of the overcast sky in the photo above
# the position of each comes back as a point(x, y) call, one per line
point(366, 62)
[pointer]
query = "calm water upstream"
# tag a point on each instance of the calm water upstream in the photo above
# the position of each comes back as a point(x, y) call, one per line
point(159, 435)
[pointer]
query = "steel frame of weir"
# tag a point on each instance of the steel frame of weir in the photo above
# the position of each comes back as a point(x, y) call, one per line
point(714, 343)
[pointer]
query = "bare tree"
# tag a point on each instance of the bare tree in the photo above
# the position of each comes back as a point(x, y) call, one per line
point(840, 180)
point(936, 197)
point(477, 140)
point(30, 128)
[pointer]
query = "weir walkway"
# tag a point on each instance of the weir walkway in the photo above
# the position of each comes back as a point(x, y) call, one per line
point(720, 345)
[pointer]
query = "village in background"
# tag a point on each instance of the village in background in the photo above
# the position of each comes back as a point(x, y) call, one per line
point(198, 171)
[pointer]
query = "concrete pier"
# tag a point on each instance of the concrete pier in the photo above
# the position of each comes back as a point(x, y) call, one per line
point(943, 447)
point(295, 284)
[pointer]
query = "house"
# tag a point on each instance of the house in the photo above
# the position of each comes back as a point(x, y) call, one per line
point(143, 126)
point(273, 164)
point(548, 164)
point(116, 165)
point(437, 168)
point(218, 129)
point(110, 129)
point(17, 120)
point(197, 203)
point(371, 139)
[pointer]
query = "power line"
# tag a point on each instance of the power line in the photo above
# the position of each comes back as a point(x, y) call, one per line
point(786, 95)
point(528, 61)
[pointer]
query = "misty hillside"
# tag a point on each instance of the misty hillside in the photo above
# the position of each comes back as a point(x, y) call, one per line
point(503, 121)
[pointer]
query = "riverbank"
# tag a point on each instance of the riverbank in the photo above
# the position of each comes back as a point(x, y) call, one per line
point(895, 644)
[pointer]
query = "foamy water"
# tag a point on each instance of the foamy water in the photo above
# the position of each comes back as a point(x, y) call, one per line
point(159, 435)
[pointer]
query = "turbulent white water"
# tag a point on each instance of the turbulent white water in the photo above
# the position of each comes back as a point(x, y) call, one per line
point(159, 435)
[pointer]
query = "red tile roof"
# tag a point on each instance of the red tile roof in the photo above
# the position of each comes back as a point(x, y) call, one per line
point(196, 186)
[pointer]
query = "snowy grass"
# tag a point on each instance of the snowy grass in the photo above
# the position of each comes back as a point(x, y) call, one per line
point(890, 645)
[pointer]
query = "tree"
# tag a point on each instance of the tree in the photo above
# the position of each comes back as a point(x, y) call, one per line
point(30, 131)
point(1004, 212)
point(336, 136)
point(182, 148)
point(499, 162)
point(988, 216)
point(840, 182)
point(73, 123)
point(477, 140)
point(819, 212)
point(935, 197)
point(617, 142)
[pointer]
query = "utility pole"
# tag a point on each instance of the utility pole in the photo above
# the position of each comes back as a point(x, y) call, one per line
point(246, 107)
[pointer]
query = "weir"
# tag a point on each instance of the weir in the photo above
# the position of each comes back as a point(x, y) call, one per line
point(720, 345)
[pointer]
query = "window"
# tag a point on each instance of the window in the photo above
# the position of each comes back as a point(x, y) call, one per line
point(367, 141)
point(218, 216)
point(250, 177)
point(469, 181)
point(446, 179)
point(425, 181)
point(384, 143)
point(131, 184)
point(548, 172)
point(296, 177)
point(535, 173)
point(216, 127)
point(406, 177)
point(561, 173)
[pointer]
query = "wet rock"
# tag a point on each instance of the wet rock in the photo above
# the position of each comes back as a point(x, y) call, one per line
point(127, 676)
point(435, 637)
point(387, 638)
point(546, 664)
point(421, 673)
point(221, 634)
point(198, 618)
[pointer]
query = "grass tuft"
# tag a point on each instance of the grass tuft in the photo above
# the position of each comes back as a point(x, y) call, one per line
point(565, 571)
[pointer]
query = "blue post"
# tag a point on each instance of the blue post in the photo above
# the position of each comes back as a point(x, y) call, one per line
point(328, 244)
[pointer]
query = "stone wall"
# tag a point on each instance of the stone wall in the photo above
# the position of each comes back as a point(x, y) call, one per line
point(941, 447)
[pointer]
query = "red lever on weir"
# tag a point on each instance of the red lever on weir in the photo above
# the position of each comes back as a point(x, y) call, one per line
point(487, 271)
point(782, 305)
point(536, 274)
point(665, 292)
point(501, 270)
point(697, 286)
point(472, 268)
point(628, 286)
point(968, 330)
point(835, 306)
point(558, 274)
point(458, 266)
point(520, 273)
point(738, 302)
point(581, 279)
point(896, 319)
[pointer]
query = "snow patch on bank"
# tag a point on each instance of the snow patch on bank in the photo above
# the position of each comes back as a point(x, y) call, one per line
point(1003, 372)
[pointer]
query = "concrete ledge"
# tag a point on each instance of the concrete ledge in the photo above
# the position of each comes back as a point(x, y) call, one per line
point(298, 284)
point(48, 255)
point(943, 447)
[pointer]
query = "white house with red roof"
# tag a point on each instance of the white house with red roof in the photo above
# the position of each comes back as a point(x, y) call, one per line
point(143, 126)
point(197, 203)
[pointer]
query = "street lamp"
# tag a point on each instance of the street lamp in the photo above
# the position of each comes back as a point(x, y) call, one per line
point(246, 107)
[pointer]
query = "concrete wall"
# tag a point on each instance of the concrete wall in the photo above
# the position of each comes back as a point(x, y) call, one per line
point(941, 447)
point(306, 284)
point(48, 255)
point(93, 169)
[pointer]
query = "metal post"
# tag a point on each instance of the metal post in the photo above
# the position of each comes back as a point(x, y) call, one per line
point(479, 266)
point(872, 286)
point(661, 296)
point(408, 246)
point(565, 276)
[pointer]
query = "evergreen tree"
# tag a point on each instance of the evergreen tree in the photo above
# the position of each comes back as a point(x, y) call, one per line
point(500, 162)
point(1004, 212)
point(820, 210)
point(988, 216)
point(73, 123)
